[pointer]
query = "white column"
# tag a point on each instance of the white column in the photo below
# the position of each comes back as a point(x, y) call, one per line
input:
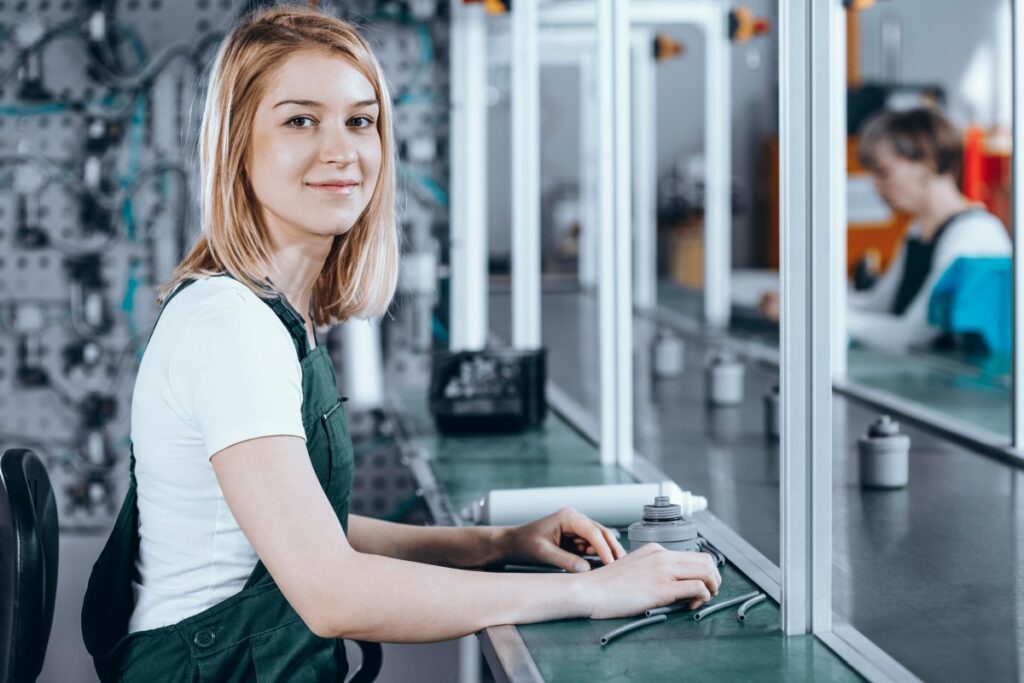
point(362, 377)
point(812, 164)
point(525, 176)
point(1017, 428)
point(589, 160)
point(718, 165)
point(468, 199)
point(837, 193)
point(614, 283)
point(645, 171)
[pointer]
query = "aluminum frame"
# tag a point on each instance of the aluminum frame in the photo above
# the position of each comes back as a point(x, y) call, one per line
point(812, 166)
point(712, 17)
point(468, 208)
point(1017, 382)
point(526, 322)
point(615, 301)
point(567, 46)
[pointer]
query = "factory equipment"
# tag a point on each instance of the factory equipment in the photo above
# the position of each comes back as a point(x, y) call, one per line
point(489, 391)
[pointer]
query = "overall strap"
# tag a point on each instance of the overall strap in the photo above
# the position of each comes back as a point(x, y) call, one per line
point(292, 321)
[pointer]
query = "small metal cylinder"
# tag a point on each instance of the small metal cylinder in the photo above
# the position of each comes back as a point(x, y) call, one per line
point(669, 353)
point(884, 455)
point(724, 380)
point(663, 524)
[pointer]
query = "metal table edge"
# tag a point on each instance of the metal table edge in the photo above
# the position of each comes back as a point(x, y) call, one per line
point(507, 656)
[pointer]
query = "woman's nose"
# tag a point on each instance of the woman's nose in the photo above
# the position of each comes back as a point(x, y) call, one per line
point(338, 148)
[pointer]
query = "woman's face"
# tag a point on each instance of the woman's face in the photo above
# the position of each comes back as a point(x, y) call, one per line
point(316, 152)
point(902, 183)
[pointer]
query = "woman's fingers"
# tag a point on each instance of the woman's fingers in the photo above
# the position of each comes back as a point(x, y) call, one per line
point(696, 566)
point(617, 550)
point(580, 525)
point(692, 589)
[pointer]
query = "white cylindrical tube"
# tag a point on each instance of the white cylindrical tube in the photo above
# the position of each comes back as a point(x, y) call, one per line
point(362, 377)
point(614, 505)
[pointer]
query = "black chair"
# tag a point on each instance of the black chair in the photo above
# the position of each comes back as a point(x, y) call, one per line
point(373, 659)
point(28, 564)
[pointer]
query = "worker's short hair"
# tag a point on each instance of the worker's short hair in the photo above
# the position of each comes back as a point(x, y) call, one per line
point(921, 134)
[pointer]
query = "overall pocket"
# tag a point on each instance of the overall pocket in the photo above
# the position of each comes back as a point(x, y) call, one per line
point(294, 653)
point(340, 469)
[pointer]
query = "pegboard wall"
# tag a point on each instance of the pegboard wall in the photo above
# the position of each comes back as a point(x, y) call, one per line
point(100, 104)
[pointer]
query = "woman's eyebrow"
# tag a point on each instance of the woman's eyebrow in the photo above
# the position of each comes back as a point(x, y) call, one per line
point(301, 103)
point(314, 103)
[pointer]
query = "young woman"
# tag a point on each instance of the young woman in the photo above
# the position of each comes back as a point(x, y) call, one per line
point(234, 556)
point(914, 158)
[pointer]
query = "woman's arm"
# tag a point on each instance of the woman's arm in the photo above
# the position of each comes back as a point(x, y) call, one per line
point(968, 236)
point(272, 491)
point(880, 296)
point(542, 541)
point(445, 546)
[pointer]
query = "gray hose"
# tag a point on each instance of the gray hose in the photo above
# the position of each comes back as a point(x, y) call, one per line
point(631, 626)
point(711, 609)
point(666, 610)
point(752, 602)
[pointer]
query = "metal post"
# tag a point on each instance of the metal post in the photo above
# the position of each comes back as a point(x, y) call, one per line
point(812, 166)
point(718, 164)
point(645, 171)
point(623, 99)
point(468, 153)
point(589, 160)
point(614, 284)
point(1017, 30)
point(525, 176)
point(840, 338)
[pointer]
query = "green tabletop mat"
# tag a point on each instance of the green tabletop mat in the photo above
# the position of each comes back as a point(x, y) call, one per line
point(716, 648)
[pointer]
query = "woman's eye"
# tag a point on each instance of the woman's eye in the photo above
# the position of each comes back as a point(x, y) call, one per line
point(360, 121)
point(300, 122)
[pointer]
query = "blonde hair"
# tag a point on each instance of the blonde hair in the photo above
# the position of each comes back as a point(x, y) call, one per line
point(361, 271)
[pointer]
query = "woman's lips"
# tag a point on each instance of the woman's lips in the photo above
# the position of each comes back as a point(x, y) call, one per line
point(339, 188)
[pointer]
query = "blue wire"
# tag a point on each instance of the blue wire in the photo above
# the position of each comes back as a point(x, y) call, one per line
point(439, 193)
point(33, 109)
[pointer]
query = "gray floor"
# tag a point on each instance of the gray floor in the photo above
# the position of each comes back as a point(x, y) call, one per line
point(933, 573)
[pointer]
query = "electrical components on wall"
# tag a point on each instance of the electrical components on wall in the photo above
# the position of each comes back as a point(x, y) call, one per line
point(100, 104)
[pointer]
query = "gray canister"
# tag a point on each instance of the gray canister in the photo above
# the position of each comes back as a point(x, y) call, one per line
point(669, 354)
point(771, 413)
point(663, 523)
point(723, 378)
point(884, 455)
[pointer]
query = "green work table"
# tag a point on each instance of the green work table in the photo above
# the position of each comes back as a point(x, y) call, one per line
point(455, 471)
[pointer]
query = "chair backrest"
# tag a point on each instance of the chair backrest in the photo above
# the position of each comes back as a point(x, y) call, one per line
point(28, 564)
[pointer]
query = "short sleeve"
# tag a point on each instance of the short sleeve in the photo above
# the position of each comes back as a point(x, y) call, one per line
point(236, 373)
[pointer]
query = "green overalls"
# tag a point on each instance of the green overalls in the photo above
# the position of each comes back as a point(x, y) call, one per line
point(254, 635)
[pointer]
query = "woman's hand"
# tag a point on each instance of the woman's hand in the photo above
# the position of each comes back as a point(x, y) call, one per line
point(650, 577)
point(561, 539)
point(769, 305)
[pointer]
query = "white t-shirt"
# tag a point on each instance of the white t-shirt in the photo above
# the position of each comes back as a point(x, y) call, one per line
point(869, 320)
point(220, 369)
